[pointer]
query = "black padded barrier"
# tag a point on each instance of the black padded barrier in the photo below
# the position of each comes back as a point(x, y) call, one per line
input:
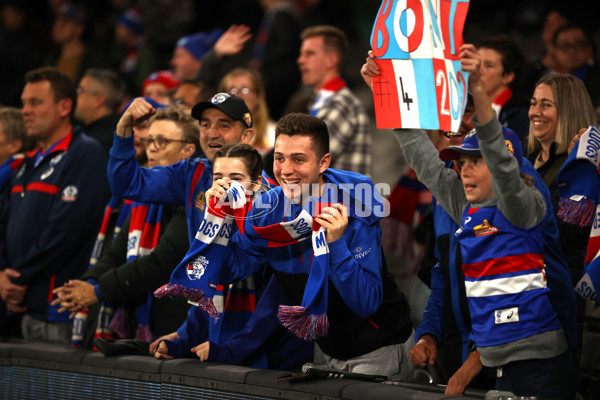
point(57, 372)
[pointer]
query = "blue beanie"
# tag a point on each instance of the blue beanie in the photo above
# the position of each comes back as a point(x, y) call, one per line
point(72, 12)
point(132, 19)
point(199, 44)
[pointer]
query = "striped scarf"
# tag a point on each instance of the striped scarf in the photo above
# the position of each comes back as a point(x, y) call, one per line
point(203, 259)
point(579, 187)
point(79, 321)
point(144, 232)
point(195, 278)
point(309, 320)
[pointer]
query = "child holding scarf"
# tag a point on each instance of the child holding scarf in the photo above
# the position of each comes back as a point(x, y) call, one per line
point(246, 330)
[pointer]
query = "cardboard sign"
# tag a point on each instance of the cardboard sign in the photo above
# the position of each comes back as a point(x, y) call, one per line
point(416, 45)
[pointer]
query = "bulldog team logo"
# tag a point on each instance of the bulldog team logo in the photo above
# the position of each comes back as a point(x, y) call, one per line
point(70, 193)
point(196, 269)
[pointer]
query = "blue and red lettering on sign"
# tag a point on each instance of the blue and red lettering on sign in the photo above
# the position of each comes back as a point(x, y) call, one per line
point(416, 45)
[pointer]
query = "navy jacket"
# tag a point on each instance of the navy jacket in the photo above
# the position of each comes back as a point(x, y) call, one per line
point(56, 208)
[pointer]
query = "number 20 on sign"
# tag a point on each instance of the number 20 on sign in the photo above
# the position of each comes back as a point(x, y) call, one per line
point(415, 43)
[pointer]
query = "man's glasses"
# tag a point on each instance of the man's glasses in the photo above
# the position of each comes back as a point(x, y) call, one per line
point(566, 46)
point(179, 102)
point(160, 141)
point(243, 90)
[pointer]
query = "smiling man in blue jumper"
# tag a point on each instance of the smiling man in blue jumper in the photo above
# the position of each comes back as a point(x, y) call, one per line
point(319, 231)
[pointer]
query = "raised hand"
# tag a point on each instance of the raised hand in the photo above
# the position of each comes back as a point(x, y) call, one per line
point(232, 41)
point(369, 69)
point(137, 112)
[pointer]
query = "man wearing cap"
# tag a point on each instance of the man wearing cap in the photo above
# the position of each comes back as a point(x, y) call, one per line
point(224, 120)
point(188, 53)
point(55, 208)
point(158, 85)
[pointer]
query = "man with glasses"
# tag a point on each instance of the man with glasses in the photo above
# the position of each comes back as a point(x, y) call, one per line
point(99, 96)
point(574, 54)
point(119, 276)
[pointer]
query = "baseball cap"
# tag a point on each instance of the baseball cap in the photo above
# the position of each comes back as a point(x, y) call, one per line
point(470, 146)
point(199, 44)
point(231, 105)
point(164, 77)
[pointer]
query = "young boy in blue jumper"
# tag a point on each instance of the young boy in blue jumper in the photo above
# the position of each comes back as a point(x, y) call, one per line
point(514, 325)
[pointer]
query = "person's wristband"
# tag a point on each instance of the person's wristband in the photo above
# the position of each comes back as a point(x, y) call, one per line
point(472, 347)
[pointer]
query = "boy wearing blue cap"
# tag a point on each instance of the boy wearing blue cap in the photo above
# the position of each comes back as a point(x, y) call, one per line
point(514, 326)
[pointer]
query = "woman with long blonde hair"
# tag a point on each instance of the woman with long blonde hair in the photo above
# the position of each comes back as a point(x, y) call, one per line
point(559, 108)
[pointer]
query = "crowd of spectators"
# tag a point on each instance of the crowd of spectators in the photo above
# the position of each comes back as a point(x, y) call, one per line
point(113, 113)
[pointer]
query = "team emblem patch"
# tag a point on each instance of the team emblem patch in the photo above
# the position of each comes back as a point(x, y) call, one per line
point(485, 229)
point(219, 98)
point(196, 269)
point(509, 146)
point(200, 201)
point(70, 193)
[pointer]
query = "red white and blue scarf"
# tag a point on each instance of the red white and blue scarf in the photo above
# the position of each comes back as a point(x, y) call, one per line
point(579, 187)
point(329, 89)
point(144, 232)
point(197, 275)
point(309, 320)
point(105, 313)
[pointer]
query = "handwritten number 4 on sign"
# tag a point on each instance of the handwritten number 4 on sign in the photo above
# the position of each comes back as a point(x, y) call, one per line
point(405, 97)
